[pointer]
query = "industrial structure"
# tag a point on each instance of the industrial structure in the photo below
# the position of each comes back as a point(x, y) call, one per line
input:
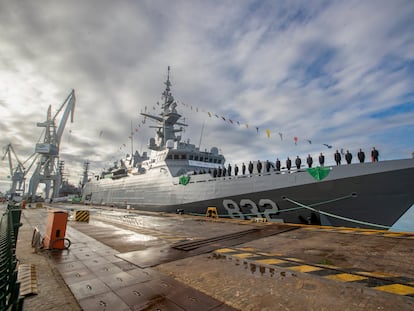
point(17, 173)
point(47, 169)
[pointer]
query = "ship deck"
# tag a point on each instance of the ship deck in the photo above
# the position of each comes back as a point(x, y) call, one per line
point(130, 260)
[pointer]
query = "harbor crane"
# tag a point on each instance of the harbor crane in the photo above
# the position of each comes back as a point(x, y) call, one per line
point(47, 171)
point(17, 174)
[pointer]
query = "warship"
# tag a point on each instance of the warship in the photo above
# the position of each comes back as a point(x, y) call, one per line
point(178, 177)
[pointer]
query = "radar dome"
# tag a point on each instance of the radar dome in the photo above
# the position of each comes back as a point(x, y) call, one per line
point(214, 150)
point(170, 144)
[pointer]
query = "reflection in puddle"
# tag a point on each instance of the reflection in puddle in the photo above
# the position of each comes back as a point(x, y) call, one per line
point(128, 235)
point(137, 237)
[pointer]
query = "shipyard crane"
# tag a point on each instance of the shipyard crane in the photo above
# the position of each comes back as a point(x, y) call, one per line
point(47, 167)
point(17, 174)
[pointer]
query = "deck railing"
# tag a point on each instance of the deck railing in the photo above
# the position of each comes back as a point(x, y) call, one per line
point(9, 285)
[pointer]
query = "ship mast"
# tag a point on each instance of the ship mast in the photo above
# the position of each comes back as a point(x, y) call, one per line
point(167, 120)
point(132, 144)
point(167, 97)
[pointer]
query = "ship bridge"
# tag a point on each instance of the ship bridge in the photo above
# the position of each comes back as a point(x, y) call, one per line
point(185, 158)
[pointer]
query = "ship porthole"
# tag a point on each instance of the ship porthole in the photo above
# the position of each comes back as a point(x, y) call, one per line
point(354, 194)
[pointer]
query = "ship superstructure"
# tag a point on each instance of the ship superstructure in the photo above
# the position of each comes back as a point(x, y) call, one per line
point(167, 149)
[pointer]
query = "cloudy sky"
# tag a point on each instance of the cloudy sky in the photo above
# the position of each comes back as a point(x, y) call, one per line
point(331, 72)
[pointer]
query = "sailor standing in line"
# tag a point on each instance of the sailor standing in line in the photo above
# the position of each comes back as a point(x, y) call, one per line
point(321, 159)
point(298, 162)
point(348, 157)
point(361, 156)
point(337, 157)
point(309, 160)
point(278, 164)
point(236, 169)
point(250, 167)
point(374, 155)
point(267, 166)
point(229, 169)
point(243, 169)
point(259, 166)
point(288, 164)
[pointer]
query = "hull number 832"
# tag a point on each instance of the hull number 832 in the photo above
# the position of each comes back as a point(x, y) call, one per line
point(247, 209)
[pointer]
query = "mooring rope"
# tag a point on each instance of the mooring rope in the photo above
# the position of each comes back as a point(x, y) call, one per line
point(337, 216)
point(317, 204)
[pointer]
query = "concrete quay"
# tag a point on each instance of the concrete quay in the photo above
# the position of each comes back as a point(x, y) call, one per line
point(129, 260)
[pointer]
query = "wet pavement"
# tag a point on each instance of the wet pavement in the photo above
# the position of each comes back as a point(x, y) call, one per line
point(99, 280)
point(125, 260)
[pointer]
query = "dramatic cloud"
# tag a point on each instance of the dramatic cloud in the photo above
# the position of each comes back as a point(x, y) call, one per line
point(335, 72)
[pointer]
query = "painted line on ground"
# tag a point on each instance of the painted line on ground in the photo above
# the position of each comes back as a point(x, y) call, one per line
point(386, 282)
point(382, 233)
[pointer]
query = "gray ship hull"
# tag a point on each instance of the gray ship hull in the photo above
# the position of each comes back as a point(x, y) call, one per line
point(367, 195)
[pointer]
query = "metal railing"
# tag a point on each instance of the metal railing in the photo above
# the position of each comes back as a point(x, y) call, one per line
point(9, 285)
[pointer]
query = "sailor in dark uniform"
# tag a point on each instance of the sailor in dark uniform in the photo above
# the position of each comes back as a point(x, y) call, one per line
point(219, 172)
point(236, 170)
point(243, 169)
point(337, 157)
point(278, 165)
point(361, 156)
point(267, 166)
point(374, 155)
point(298, 162)
point(250, 167)
point(348, 157)
point(215, 172)
point(229, 169)
point(259, 166)
point(321, 159)
point(288, 164)
point(224, 171)
point(309, 160)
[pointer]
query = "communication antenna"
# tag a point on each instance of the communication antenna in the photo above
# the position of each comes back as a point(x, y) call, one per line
point(132, 140)
point(201, 135)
